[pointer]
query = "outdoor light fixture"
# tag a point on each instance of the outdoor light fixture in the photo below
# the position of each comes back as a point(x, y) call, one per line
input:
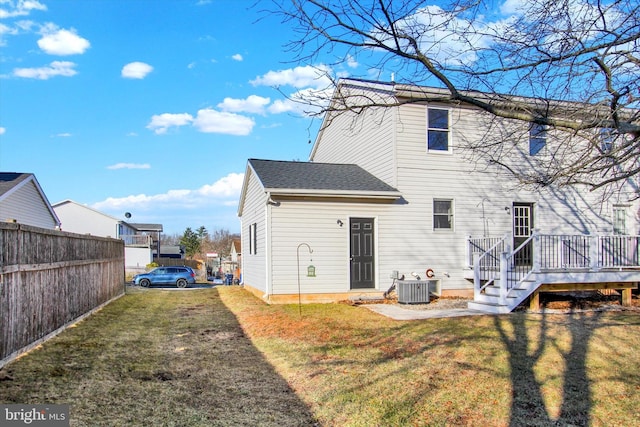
point(339, 222)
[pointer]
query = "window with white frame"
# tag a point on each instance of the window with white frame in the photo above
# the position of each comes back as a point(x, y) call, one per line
point(537, 138)
point(438, 132)
point(607, 140)
point(442, 214)
point(252, 239)
point(619, 220)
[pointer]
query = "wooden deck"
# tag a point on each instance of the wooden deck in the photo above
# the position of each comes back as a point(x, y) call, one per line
point(503, 279)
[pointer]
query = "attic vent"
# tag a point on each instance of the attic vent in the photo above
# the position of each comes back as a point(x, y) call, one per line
point(417, 291)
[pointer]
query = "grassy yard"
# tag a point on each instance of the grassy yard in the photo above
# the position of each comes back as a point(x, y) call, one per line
point(222, 357)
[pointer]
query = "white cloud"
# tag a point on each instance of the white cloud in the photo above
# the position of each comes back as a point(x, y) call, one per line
point(351, 62)
point(3, 130)
point(63, 135)
point(516, 7)
point(227, 187)
point(443, 36)
point(160, 123)
point(212, 121)
point(299, 77)
point(129, 166)
point(20, 8)
point(56, 68)
point(253, 104)
point(303, 102)
point(237, 57)
point(207, 120)
point(136, 70)
point(62, 42)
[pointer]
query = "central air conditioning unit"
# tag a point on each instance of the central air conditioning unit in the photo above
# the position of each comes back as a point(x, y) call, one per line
point(417, 291)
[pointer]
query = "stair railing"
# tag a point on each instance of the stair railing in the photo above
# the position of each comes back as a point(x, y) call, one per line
point(487, 266)
point(512, 271)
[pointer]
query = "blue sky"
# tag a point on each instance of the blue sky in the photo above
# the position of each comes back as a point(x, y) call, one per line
point(153, 107)
point(148, 107)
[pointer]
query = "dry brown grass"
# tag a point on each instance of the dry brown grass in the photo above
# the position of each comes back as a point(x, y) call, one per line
point(223, 357)
point(156, 358)
point(356, 368)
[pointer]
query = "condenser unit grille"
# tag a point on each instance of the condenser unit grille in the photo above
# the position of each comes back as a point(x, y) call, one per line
point(413, 291)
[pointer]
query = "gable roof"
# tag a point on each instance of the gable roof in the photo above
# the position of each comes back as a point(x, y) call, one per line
point(72, 202)
point(11, 182)
point(318, 177)
point(308, 179)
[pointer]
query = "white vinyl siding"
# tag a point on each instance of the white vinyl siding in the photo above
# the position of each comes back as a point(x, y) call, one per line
point(254, 271)
point(26, 206)
point(366, 140)
point(81, 219)
point(315, 223)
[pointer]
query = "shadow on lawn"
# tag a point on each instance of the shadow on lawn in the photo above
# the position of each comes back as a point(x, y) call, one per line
point(157, 358)
point(527, 404)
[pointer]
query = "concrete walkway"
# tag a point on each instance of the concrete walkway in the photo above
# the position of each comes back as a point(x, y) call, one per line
point(399, 313)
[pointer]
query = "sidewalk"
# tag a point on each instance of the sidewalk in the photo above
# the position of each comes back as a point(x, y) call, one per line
point(398, 312)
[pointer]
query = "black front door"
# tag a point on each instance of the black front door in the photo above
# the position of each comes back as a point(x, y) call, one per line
point(362, 253)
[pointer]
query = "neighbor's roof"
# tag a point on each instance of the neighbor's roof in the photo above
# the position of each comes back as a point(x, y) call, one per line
point(146, 227)
point(9, 180)
point(13, 181)
point(332, 177)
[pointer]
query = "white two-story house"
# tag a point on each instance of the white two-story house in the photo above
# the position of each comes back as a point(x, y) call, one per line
point(390, 193)
point(82, 219)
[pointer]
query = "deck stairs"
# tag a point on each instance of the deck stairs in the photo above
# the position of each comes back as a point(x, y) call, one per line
point(490, 301)
point(503, 279)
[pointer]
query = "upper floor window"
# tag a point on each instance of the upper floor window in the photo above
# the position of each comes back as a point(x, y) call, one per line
point(442, 214)
point(537, 138)
point(438, 132)
point(607, 139)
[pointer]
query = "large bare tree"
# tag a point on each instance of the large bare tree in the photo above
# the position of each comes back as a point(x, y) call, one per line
point(569, 67)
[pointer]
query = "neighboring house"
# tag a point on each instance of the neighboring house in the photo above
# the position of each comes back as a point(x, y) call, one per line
point(153, 230)
point(81, 219)
point(23, 201)
point(389, 193)
point(236, 259)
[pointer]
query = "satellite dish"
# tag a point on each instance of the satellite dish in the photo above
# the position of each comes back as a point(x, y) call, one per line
point(127, 215)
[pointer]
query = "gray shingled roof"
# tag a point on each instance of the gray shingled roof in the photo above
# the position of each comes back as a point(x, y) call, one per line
point(317, 176)
point(8, 180)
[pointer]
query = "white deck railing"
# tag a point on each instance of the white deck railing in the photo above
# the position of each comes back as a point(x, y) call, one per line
point(137, 240)
point(491, 258)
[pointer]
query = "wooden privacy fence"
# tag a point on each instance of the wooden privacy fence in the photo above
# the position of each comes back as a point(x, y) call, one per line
point(50, 278)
